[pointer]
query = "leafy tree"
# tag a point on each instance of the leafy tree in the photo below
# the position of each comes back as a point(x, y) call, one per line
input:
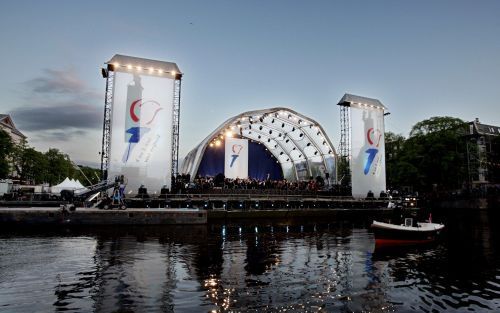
point(494, 161)
point(6, 147)
point(433, 157)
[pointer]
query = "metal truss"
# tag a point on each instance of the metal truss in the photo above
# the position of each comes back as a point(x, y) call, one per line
point(345, 141)
point(106, 126)
point(176, 113)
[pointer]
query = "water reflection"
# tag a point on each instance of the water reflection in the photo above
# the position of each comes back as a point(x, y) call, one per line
point(250, 267)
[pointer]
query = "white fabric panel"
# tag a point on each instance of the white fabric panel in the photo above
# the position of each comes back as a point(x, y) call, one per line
point(236, 158)
point(141, 134)
point(368, 151)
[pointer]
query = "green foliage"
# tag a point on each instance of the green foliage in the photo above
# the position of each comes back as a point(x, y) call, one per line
point(433, 157)
point(50, 167)
point(6, 147)
point(494, 161)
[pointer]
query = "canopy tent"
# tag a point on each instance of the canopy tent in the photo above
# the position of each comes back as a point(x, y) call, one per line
point(67, 184)
point(298, 143)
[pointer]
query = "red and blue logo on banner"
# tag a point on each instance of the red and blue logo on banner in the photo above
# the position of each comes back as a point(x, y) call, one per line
point(373, 137)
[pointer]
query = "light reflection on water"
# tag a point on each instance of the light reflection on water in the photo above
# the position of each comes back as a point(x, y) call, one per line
point(251, 267)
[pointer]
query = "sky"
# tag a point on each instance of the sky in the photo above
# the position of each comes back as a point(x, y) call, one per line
point(419, 58)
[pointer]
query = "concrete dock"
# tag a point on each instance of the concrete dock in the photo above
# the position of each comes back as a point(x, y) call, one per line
point(89, 216)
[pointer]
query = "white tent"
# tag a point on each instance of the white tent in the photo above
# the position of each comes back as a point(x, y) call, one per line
point(68, 184)
point(65, 184)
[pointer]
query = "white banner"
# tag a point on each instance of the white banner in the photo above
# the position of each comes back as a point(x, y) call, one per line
point(141, 130)
point(236, 158)
point(368, 151)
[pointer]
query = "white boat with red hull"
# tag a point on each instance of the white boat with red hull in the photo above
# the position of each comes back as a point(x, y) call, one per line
point(405, 234)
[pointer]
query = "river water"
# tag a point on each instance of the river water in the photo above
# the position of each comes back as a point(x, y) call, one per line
point(250, 267)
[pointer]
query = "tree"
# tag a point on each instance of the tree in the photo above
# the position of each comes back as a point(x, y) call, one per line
point(6, 147)
point(433, 157)
point(393, 146)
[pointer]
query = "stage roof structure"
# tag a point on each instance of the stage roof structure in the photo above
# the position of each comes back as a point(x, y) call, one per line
point(297, 142)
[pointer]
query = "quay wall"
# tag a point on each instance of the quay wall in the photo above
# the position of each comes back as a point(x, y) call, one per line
point(56, 216)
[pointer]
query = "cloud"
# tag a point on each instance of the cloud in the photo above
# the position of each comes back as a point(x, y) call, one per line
point(58, 105)
point(56, 81)
point(59, 116)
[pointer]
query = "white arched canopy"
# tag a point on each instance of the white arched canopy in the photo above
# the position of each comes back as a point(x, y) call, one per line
point(298, 143)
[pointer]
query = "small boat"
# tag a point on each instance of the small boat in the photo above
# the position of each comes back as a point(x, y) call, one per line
point(405, 234)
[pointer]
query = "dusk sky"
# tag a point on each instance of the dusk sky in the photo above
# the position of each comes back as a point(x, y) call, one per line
point(420, 58)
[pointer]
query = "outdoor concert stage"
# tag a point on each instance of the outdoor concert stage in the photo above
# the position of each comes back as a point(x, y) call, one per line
point(200, 208)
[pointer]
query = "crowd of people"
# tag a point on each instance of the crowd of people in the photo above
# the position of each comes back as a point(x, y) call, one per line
point(200, 184)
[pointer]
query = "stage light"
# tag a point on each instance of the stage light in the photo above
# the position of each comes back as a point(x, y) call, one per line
point(151, 70)
point(159, 71)
point(129, 67)
point(139, 68)
point(229, 134)
point(217, 143)
point(221, 137)
point(211, 144)
point(173, 73)
point(116, 64)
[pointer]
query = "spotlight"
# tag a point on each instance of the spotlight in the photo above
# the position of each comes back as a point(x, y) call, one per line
point(129, 67)
point(229, 134)
point(104, 73)
point(217, 143)
point(211, 144)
